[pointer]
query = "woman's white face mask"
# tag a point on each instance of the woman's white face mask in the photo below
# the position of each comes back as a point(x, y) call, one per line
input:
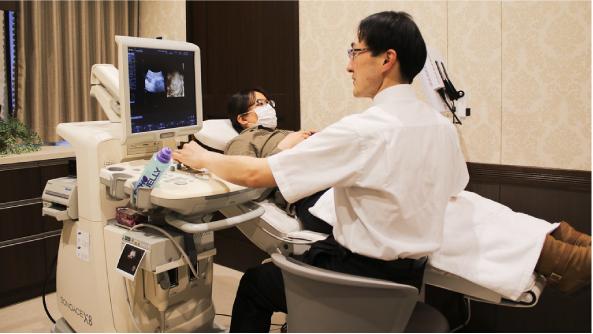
point(266, 116)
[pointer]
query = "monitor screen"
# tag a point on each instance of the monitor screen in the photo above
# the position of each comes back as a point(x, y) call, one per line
point(162, 89)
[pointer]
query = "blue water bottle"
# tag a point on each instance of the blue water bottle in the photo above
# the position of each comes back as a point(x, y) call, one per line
point(153, 171)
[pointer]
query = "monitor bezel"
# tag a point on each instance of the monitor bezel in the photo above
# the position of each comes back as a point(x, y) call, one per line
point(126, 42)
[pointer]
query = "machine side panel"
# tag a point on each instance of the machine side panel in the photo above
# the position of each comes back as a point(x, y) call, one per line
point(82, 289)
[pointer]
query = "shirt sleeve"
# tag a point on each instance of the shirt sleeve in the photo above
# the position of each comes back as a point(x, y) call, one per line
point(333, 157)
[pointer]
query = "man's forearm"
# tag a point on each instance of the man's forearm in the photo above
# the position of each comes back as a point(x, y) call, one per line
point(242, 170)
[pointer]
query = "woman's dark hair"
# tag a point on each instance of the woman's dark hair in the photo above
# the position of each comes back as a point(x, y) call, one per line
point(397, 31)
point(240, 102)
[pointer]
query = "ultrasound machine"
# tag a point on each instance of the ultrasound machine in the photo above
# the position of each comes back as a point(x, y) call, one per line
point(148, 267)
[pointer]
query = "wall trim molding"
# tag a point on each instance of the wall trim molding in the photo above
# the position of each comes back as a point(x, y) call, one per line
point(35, 163)
point(565, 179)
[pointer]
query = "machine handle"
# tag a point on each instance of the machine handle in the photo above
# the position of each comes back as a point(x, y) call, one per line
point(58, 214)
point(254, 210)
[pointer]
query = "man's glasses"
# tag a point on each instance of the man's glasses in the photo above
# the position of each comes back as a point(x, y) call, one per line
point(355, 52)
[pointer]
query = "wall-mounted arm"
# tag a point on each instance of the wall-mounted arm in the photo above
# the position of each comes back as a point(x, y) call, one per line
point(439, 88)
point(105, 88)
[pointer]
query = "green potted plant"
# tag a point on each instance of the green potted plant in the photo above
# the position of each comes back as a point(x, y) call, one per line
point(16, 137)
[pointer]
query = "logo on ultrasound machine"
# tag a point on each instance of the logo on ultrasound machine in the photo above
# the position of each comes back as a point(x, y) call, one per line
point(87, 318)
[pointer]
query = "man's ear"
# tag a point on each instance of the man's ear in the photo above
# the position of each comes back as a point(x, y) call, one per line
point(389, 58)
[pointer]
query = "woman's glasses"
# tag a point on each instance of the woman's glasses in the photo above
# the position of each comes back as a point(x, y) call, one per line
point(263, 102)
point(260, 103)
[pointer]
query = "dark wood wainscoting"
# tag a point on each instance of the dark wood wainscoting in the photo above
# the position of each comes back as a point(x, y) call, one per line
point(28, 241)
point(548, 194)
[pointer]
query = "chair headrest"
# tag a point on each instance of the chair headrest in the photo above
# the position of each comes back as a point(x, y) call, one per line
point(216, 133)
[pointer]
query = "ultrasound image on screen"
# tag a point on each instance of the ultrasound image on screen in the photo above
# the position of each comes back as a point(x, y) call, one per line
point(162, 89)
point(175, 86)
point(154, 82)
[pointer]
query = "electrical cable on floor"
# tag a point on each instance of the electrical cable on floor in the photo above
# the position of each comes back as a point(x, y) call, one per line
point(43, 289)
point(468, 310)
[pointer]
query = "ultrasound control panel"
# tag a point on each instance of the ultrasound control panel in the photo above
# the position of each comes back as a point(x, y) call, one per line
point(184, 190)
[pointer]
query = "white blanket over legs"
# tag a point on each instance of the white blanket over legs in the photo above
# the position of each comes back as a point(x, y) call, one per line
point(484, 242)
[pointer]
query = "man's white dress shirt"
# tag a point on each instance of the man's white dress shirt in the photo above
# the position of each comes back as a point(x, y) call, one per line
point(393, 166)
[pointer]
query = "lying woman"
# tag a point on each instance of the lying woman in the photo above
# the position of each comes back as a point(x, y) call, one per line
point(483, 241)
point(253, 116)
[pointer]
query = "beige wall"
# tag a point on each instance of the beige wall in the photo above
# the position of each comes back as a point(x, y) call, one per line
point(163, 18)
point(525, 66)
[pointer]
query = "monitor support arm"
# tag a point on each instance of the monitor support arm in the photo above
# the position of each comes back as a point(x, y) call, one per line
point(105, 88)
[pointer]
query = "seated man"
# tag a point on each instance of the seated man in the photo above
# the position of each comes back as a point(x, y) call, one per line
point(393, 168)
point(565, 257)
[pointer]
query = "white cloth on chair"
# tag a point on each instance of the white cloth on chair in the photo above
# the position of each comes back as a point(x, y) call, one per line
point(484, 242)
point(278, 218)
point(490, 244)
point(324, 208)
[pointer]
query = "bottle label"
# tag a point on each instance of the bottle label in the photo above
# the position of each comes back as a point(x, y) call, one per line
point(148, 182)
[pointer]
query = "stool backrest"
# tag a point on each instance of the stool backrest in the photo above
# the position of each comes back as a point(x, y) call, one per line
point(320, 300)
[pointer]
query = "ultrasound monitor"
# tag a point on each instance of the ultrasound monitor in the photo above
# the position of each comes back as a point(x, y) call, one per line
point(160, 86)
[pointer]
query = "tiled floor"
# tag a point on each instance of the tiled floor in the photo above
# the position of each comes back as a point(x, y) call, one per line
point(29, 316)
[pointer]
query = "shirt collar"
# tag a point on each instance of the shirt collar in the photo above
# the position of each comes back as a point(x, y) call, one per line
point(396, 92)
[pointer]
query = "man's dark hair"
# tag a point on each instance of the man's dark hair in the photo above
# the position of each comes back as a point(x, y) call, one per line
point(240, 102)
point(397, 31)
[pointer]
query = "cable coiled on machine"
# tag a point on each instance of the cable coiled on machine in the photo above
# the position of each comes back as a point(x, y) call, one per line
point(183, 254)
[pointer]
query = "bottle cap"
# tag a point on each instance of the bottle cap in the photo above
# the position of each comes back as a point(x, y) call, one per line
point(164, 155)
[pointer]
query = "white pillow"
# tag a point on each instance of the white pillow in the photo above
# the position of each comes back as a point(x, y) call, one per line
point(216, 133)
